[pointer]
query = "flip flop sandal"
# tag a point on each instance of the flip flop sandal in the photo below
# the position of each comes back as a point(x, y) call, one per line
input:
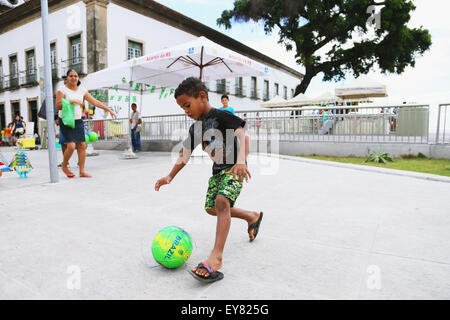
point(69, 175)
point(255, 226)
point(213, 275)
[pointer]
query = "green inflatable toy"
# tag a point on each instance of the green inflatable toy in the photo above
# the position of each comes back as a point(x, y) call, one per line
point(93, 136)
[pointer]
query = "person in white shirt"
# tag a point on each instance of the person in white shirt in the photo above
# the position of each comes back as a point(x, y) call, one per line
point(75, 136)
point(136, 122)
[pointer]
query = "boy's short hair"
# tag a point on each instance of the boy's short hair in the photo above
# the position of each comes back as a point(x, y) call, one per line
point(134, 105)
point(191, 87)
point(224, 96)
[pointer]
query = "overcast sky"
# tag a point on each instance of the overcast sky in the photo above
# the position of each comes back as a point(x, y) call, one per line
point(427, 82)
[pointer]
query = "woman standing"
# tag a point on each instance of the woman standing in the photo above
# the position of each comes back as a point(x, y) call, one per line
point(76, 94)
point(18, 128)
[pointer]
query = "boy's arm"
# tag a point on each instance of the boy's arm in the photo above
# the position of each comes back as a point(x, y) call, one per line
point(247, 144)
point(181, 162)
point(240, 168)
point(240, 134)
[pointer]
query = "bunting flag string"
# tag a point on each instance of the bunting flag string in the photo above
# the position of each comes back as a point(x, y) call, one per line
point(102, 95)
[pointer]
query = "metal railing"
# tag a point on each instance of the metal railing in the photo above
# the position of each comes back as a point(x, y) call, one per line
point(31, 77)
point(337, 124)
point(443, 120)
point(28, 77)
point(167, 127)
point(22, 78)
point(10, 81)
point(393, 124)
point(15, 80)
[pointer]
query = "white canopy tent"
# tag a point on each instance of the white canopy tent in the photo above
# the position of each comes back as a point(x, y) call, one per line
point(275, 102)
point(169, 67)
point(326, 98)
point(297, 101)
point(278, 102)
point(362, 87)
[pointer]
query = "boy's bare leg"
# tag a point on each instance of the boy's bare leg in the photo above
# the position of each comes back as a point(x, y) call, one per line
point(249, 216)
point(223, 214)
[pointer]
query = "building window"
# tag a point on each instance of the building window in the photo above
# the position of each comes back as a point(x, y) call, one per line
point(14, 71)
point(292, 93)
point(75, 49)
point(75, 61)
point(15, 109)
point(277, 89)
point(253, 88)
point(266, 90)
point(33, 114)
point(31, 62)
point(134, 49)
point(2, 116)
point(53, 54)
point(285, 92)
point(221, 86)
point(53, 60)
point(31, 67)
point(239, 87)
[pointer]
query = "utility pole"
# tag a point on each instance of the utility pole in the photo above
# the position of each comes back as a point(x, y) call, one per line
point(54, 178)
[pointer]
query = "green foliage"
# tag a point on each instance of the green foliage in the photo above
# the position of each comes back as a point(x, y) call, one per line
point(340, 27)
point(379, 157)
point(420, 155)
point(415, 164)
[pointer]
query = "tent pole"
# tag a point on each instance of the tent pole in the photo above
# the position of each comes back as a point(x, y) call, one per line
point(140, 107)
point(129, 154)
point(201, 65)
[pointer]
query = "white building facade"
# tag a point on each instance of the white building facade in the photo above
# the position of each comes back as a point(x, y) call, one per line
point(91, 35)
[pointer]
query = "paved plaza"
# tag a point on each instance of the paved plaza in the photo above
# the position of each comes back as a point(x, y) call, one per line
point(329, 232)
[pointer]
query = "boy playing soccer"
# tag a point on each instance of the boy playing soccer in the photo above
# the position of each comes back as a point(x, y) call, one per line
point(220, 133)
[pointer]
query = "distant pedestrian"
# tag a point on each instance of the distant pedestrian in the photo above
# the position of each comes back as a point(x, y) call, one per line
point(225, 100)
point(136, 127)
point(19, 128)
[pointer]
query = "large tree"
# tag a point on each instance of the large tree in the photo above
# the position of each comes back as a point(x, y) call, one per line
point(344, 28)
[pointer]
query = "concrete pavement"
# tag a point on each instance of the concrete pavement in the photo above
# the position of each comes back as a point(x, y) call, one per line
point(328, 232)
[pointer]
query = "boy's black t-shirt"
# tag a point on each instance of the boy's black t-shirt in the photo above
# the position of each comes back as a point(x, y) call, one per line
point(215, 131)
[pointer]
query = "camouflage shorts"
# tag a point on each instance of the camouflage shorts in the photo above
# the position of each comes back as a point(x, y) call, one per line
point(224, 184)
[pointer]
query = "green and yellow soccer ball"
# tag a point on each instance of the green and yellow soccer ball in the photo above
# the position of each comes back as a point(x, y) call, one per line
point(172, 247)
